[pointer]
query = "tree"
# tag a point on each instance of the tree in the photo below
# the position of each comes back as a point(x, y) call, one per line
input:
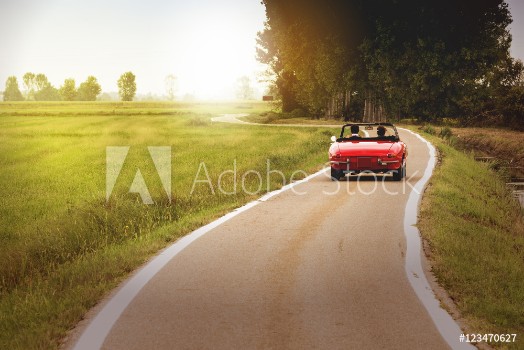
point(127, 86)
point(41, 82)
point(68, 90)
point(244, 89)
point(170, 83)
point(38, 88)
point(426, 56)
point(48, 93)
point(416, 57)
point(30, 85)
point(43, 90)
point(89, 90)
point(12, 91)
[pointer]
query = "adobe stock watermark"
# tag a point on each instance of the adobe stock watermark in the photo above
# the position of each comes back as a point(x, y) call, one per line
point(368, 182)
point(261, 181)
point(115, 159)
point(255, 182)
point(251, 182)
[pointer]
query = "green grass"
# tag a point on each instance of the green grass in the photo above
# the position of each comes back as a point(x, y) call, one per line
point(475, 230)
point(63, 247)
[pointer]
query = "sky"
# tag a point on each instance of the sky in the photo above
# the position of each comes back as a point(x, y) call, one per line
point(206, 44)
point(516, 8)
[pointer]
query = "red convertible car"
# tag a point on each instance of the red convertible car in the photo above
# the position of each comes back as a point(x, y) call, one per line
point(368, 148)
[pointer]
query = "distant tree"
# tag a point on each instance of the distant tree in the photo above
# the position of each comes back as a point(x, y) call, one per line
point(48, 93)
point(41, 81)
point(12, 91)
point(170, 82)
point(89, 90)
point(30, 85)
point(38, 88)
point(68, 90)
point(244, 89)
point(127, 86)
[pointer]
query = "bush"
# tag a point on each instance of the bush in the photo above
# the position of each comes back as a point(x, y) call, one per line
point(429, 129)
point(445, 133)
point(298, 113)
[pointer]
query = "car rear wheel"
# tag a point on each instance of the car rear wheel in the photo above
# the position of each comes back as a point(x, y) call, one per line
point(336, 174)
point(400, 173)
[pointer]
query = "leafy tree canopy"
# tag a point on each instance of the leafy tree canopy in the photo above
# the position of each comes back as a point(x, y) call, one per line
point(68, 90)
point(127, 86)
point(12, 91)
point(89, 90)
point(418, 57)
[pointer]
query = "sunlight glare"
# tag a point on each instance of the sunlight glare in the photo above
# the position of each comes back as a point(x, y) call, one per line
point(210, 60)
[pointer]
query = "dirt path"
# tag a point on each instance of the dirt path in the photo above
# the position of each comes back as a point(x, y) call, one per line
point(234, 119)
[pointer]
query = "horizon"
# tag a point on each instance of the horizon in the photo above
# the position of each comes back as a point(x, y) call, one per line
point(74, 40)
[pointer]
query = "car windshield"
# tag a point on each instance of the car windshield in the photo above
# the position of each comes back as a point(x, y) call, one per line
point(369, 131)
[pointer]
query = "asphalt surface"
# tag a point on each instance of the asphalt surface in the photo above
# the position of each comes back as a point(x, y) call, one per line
point(321, 266)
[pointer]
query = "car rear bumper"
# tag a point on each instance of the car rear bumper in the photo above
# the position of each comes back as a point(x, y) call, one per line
point(372, 164)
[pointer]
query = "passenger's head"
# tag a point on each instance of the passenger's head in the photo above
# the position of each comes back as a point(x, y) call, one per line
point(354, 129)
point(381, 131)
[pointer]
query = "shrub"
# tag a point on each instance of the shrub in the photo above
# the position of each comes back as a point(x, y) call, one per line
point(429, 129)
point(445, 133)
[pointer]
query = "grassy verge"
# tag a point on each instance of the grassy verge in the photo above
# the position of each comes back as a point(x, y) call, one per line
point(63, 247)
point(475, 232)
point(506, 145)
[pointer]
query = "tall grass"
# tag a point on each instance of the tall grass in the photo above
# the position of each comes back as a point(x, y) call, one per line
point(62, 246)
point(475, 230)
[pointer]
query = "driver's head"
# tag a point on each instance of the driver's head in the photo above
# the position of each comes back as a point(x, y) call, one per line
point(381, 131)
point(354, 129)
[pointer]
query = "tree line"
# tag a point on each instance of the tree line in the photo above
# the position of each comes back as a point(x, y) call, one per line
point(431, 59)
point(38, 88)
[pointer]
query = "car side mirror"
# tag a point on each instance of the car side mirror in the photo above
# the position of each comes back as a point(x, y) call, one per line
point(333, 139)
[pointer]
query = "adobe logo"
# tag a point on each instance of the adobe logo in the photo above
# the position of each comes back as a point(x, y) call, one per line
point(115, 158)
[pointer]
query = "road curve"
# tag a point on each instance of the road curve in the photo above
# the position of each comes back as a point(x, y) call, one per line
point(321, 266)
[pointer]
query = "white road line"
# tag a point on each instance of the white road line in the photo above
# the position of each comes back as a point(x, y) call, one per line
point(95, 334)
point(446, 325)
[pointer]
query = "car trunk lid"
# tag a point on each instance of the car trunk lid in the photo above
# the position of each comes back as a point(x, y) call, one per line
point(364, 148)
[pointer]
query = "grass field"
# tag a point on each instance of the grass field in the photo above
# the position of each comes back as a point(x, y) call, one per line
point(62, 246)
point(475, 232)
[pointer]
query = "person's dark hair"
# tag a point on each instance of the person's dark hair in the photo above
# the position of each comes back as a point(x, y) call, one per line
point(381, 131)
point(354, 129)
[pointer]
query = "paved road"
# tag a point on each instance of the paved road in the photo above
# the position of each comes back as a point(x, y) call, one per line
point(321, 266)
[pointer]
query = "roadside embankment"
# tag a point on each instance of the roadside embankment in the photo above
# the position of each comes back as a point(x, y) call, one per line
point(474, 234)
